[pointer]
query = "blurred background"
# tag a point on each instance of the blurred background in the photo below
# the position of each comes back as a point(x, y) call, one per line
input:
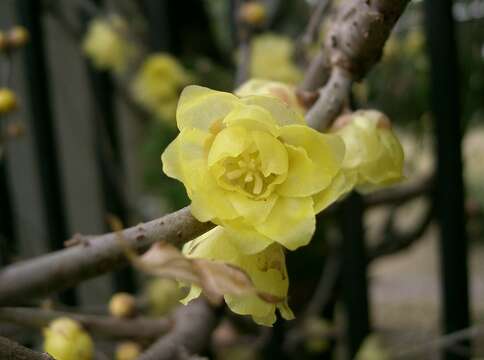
point(405, 265)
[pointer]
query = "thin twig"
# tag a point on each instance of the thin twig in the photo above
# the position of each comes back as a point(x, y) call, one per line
point(97, 255)
point(102, 326)
point(442, 342)
point(10, 350)
point(244, 35)
point(192, 331)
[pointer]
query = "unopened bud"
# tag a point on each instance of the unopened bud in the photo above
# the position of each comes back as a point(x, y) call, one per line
point(18, 36)
point(163, 295)
point(253, 13)
point(65, 339)
point(8, 101)
point(128, 350)
point(122, 305)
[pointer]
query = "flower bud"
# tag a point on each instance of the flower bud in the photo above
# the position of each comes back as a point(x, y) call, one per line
point(253, 13)
point(17, 36)
point(374, 156)
point(163, 295)
point(8, 101)
point(65, 339)
point(122, 305)
point(128, 350)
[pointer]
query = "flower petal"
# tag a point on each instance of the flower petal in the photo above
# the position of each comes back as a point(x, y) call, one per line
point(200, 107)
point(252, 117)
point(230, 142)
point(252, 210)
point(280, 111)
point(290, 223)
point(342, 184)
point(273, 154)
point(245, 238)
point(313, 169)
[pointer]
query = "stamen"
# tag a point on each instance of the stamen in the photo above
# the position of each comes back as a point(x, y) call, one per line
point(258, 184)
point(234, 174)
point(249, 178)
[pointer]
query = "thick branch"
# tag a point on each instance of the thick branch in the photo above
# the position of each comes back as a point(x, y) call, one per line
point(92, 257)
point(10, 350)
point(103, 326)
point(354, 43)
point(192, 331)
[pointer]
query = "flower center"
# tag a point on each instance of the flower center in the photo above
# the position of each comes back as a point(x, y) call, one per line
point(243, 173)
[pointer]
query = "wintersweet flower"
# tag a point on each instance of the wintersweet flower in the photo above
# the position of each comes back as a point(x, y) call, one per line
point(272, 59)
point(65, 339)
point(252, 165)
point(374, 156)
point(105, 45)
point(158, 84)
point(267, 270)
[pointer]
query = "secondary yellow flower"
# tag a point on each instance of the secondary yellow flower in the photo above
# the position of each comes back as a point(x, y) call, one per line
point(284, 92)
point(272, 59)
point(158, 84)
point(8, 101)
point(374, 156)
point(266, 269)
point(105, 45)
point(252, 165)
point(65, 339)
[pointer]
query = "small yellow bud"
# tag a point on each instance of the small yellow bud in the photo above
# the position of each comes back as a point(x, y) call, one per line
point(65, 339)
point(163, 295)
point(253, 13)
point(8, 101)
point(122, 305)
point(128, 350)
point(18, 36)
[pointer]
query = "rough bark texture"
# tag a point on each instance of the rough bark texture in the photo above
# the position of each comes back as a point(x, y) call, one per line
point(10, 350)
point(93, 256)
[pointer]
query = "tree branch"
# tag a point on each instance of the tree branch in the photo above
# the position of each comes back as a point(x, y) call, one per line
point(191, 333)
point(103, 326)
point(354, 44)
point(10, 350)
point(94, 256)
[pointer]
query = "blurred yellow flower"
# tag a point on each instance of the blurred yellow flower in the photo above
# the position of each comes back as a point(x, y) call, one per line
point(105, 45)
point(272, 59)
point(8, 101)
point(374, 156)
point(163, 295)
point(158, 84)
point(252, 165)
point(267, 270)
point(65, 339)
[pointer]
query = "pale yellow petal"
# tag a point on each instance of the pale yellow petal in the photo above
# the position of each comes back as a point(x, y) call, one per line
point(291, 222)
point(252, 210)
point(282, 113)
point(252, 117)
point(342, 184)
point(273, 154)
point(200, 107)
point(230, 142)
point(313, 169)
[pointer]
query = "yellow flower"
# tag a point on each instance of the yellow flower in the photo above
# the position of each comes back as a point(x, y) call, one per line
point(64, 339)
point(163, 295)
point(158, 84)
point(272, 59)
point(8, 101)
point(374, 156)
point(284, 92)
point(267, 270)
point(128, 350)
point(105, 45)
point(252, 165)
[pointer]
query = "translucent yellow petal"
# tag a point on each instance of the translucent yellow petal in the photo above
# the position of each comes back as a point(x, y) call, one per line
point(342, 184)
point(200, 107)
point(170, 160)
point(273, 154)
point(194, 293)
point(252, 210)
point(313, 169)
point(252, 117)
point(291, 222)
point(230, 142)
point(245, 238)
point(282, 113)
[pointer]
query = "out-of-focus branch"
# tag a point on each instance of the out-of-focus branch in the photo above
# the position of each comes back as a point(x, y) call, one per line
point(95, 255)
point(11, 350)
point(244, 35)
point(443, 342)
point(103, 326)
point(191, 334)
point(312, 29)
point(404, 192)
point(353, 45)
point(395, 240)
